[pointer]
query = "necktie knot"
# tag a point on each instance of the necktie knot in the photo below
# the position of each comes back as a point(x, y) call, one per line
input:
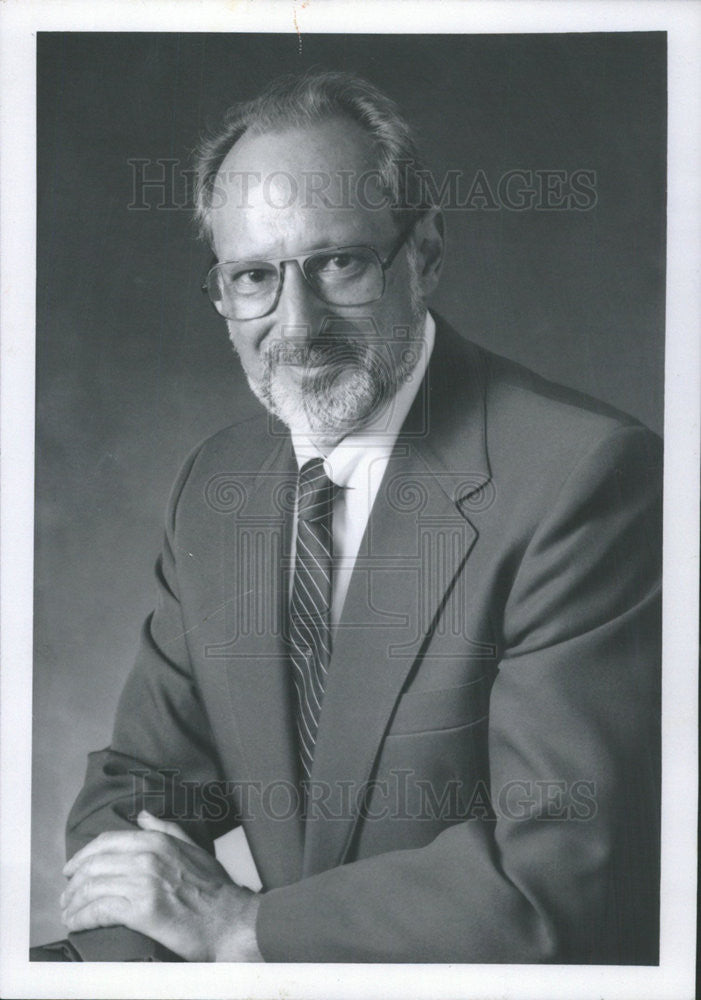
point(315, 492)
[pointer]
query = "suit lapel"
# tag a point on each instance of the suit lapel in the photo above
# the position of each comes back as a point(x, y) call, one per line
point(415, 544)
point(261, 694)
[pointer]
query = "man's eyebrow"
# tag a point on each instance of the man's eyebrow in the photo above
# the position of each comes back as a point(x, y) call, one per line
point(312, 247)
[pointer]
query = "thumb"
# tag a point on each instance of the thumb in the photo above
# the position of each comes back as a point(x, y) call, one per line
point(147, 821)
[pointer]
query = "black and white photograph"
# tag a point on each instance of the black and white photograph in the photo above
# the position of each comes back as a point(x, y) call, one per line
point(352, 446)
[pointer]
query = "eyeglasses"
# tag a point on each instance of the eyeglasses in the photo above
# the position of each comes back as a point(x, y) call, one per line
point(339, 276)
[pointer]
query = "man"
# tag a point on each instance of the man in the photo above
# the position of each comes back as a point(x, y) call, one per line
point(408, 626)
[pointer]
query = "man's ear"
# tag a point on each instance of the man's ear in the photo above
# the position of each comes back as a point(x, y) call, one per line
point(429, 238)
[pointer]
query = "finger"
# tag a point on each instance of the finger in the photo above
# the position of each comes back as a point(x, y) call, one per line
point(130, 867)
point(118, 842)
point(107, 911)
point(117, 886)
point(147, 821)
point(108, 865)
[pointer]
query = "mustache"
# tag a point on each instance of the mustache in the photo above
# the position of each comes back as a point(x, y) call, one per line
point(331, 352)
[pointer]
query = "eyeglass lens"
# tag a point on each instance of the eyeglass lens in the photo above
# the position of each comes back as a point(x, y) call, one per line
point(248, 289)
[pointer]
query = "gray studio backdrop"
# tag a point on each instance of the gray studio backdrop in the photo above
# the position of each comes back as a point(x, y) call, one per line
point(133, 368)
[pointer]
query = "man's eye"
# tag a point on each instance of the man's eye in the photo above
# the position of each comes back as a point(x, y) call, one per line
point(255, 277)
point(339, 262)
point(337, 265)
point(251, 281)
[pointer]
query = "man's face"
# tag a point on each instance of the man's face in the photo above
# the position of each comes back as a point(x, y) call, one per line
point(323, 369)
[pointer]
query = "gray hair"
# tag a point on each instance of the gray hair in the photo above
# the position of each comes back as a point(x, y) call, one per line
point(303, 100)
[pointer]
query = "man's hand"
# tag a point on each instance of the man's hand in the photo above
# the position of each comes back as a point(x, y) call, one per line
point(157, 881)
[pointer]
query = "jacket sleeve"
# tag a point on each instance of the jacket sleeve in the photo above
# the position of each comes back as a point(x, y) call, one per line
point(566, 869)
point(161, 754)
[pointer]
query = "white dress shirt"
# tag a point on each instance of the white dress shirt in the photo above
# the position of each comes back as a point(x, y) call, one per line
point(357, 465)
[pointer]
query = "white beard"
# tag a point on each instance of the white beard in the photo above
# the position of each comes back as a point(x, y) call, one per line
point(353, 383)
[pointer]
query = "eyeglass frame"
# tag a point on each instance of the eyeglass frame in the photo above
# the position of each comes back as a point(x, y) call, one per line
point(301, 260)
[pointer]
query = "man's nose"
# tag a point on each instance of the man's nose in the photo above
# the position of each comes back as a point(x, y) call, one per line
point(300, 313)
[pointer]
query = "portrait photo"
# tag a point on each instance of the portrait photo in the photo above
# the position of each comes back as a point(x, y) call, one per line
point(350, 456)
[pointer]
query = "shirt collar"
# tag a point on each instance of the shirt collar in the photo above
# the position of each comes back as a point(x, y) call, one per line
point(376, 438)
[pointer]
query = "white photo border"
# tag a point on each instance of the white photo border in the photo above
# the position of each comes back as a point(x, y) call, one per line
point(20, 20)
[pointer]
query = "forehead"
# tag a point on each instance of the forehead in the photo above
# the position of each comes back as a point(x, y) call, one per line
point(304, 187)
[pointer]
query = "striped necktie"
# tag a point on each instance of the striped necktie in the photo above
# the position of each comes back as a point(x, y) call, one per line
point(309, 633)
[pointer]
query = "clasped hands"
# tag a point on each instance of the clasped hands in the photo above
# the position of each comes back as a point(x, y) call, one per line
point(157, 881)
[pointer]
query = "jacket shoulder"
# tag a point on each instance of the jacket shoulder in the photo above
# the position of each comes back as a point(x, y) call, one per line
point(243, 445)
point(239, 450)
point(553, 424)
point(533, 427)
point(520, 391)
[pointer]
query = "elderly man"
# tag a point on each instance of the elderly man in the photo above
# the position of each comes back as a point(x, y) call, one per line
point(407, 632)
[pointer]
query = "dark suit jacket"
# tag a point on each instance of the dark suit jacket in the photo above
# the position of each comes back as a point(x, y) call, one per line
point(488, 753)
